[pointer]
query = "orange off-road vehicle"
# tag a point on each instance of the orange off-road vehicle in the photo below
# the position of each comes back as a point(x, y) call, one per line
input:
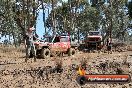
point(55, 45)
point(93, 40)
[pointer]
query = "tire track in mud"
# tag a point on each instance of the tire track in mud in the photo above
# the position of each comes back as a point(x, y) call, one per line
point(38, 74)
point(43, 73)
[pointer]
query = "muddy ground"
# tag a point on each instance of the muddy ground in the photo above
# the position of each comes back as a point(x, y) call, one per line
point(15, 73)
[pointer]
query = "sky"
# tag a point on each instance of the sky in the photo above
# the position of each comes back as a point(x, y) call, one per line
point(64, 0)
point(40, 25)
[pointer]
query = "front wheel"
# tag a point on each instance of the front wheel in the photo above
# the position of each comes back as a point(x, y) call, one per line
point(45, 53)
point(71, 52)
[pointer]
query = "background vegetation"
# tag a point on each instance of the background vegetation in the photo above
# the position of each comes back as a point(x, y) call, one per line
point(75, 16)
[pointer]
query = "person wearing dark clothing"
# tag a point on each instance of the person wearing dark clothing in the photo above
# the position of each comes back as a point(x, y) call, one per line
point(29, 44)
point(109, 46)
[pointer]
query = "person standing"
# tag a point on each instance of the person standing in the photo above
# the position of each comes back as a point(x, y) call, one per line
point(29, 44)
point(109, 46)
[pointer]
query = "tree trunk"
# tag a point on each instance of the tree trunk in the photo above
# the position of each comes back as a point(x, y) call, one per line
point(28, 15)
point(43, 15)
point(111, 25)
point(14, 39)
point(77, 20)
point(53, 18)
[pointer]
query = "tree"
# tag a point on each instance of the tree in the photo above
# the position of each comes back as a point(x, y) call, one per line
point(115, 20)
point(68, 18)
point(17, 16)
point(129, 5)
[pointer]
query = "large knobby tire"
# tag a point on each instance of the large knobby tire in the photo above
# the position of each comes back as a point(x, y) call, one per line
point(45, 53)
point(71, 52)
point(81, 80)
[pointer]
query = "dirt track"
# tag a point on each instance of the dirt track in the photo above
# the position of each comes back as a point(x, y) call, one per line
point(15, 73)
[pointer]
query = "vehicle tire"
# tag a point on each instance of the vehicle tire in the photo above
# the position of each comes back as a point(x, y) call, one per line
point(81, 80)
point(71, 52)
point(45, 53)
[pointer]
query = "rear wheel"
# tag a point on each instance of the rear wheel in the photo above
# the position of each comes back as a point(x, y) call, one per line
point(71, 52)
point(45, 53)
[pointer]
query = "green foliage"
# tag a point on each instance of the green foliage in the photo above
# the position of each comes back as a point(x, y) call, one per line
point(72, 16)
point(89, 19)
point(16, 18)
point(68, 20)
point(116, 18)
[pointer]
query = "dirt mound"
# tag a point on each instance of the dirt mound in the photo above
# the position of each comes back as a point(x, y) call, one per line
point(120, 47)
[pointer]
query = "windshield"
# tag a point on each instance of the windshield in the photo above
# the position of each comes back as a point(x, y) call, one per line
point(94, 33)
point(64, 39)
point(56, 39)
point(48, 39)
